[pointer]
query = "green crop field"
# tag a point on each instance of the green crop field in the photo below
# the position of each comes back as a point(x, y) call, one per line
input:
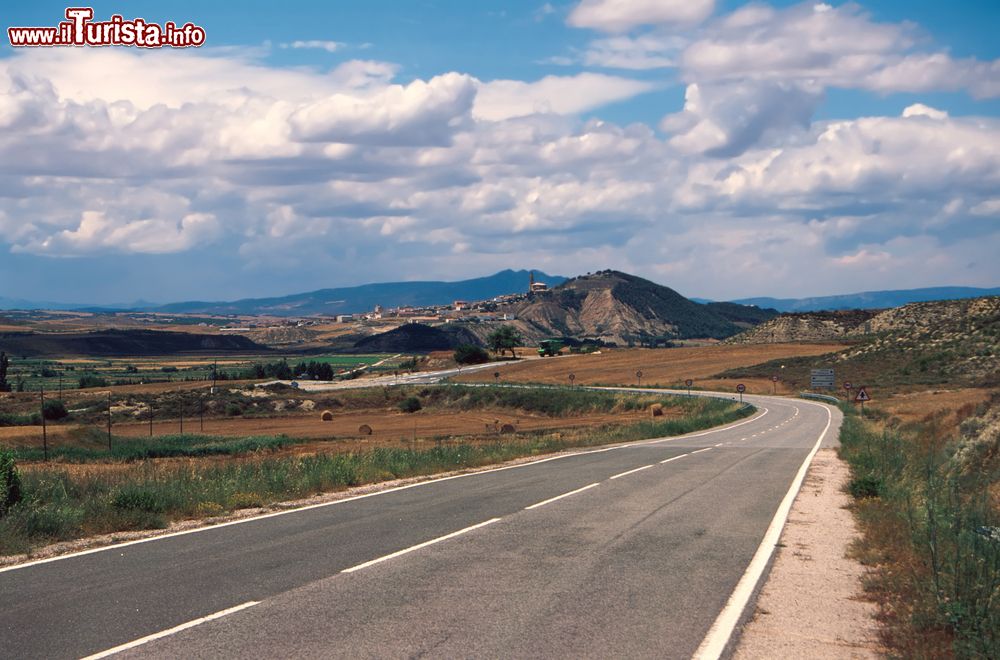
point(55, 374)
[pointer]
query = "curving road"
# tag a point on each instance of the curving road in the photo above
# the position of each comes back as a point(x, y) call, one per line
point(626, 551)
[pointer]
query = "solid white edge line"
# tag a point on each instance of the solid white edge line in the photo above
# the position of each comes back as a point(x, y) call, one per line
point(622, 474)
point(559, 497)
point(274, 514)
point(718, 636)
point(171, 631)
point(673, 459)
point(418, 546)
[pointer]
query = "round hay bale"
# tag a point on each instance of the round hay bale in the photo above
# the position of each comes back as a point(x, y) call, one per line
point(508, 428)
point(326, 416)
point(656, 410)
point(364, 429)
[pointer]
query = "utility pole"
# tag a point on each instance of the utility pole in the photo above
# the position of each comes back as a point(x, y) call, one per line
point(109, 420)
point(151, 418)
point(45, 438)
point(182, 416)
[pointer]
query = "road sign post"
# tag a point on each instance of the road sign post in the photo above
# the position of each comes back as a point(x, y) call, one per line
point(741, 388)
point(496, 376)
point(774, 384)
point(689, 383)
point(821, 379)
point(572, 377)
point(861, 397)
point(638, 375)
point(848, 387)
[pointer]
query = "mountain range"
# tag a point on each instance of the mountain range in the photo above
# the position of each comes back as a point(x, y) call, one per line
point(349, 300)
point(870, 299)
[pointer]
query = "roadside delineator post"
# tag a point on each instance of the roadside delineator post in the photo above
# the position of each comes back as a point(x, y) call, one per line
point(45, 438)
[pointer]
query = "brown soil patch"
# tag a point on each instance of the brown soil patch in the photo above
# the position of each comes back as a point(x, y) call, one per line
point(28, 435)
point(426, 424)
point(668, 367)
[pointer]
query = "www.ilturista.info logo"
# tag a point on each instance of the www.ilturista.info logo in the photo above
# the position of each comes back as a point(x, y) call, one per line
point(81, 30)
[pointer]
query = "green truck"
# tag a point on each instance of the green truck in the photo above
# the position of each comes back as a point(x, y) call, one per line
point(549, 347)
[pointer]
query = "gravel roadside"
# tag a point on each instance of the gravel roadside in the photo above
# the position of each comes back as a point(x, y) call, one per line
point(812, 604)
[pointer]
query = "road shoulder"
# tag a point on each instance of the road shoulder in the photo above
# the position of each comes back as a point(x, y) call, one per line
point(811, 605)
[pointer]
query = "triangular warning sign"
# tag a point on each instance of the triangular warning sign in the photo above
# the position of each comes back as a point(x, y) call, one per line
point(862, 395)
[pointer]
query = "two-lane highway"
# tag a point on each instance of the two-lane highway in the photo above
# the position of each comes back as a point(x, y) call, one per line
point(632, 550)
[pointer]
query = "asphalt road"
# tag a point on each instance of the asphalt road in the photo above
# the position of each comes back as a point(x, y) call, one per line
point(635, 558)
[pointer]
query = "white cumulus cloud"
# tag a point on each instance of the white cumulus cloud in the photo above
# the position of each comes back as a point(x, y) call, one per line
point(623, 15)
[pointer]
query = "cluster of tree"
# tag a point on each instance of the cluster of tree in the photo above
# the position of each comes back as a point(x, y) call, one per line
point(503, 339)
point(314, 370)
point(281, 370)
point(92, 380)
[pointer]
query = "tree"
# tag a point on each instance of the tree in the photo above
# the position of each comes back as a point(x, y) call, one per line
point(4, 364)
point(503, 339)
point(54, 409)
point(471, 354)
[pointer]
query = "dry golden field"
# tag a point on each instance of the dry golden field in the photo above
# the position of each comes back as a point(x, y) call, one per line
point(666, 367)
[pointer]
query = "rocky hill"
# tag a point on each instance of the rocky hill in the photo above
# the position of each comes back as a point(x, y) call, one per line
point(808, 326)
point(930, 343)
point(415, 338)
point(623, 309)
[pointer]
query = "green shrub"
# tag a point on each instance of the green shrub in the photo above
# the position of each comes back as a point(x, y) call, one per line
point(54, 409)
point(865, 486)
point(410, 404)
point(470, 354)
point(13, 419)
point(138, 498)
point(234, 409)
point(10, 481)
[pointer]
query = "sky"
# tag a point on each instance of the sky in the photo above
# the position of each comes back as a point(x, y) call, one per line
point(722, 148)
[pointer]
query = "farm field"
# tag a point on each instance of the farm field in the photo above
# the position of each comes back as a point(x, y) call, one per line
point(663, 367)
point(65, 374)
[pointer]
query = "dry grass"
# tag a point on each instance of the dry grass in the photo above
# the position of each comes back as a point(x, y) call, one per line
point(951, 406)
point(425, 424)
